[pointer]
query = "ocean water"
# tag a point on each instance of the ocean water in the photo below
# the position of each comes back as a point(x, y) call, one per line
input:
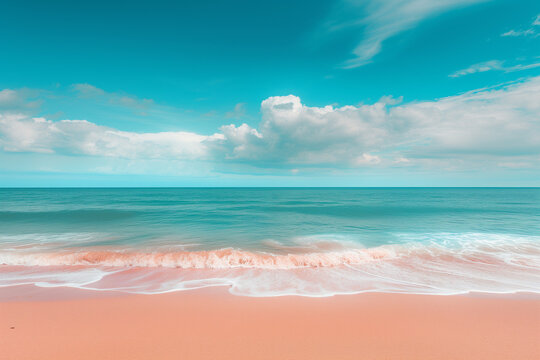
point(273, 241)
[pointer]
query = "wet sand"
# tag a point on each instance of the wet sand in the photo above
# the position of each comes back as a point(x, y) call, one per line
point(212, 324)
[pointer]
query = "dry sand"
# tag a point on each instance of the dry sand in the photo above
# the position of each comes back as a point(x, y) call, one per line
point(212, 324)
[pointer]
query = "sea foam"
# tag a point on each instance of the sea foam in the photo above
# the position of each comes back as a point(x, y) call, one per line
point(442, 263)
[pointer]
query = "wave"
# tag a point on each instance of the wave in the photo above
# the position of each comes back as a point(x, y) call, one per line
point(439, 264)
point(213, 259)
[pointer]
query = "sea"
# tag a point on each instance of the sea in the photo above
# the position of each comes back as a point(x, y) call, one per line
point(273, 241)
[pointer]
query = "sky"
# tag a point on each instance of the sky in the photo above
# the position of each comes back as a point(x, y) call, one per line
point(280, 93)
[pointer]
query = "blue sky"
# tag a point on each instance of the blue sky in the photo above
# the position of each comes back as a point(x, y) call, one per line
point(242, 93)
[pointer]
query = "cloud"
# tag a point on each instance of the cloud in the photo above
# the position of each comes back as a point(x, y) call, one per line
point(520, 67)
point(238, 112)
point(378, 20)
point(531, 31)
point(526, 32)
point(119, 108)
point(23, 100)
point(293, 133)
point(19, 133)
point(87, 91)
point(493, 65)
point(489, 127)
point(487, 123)
point(9, 97)
point(491, 123)
point(480, 67)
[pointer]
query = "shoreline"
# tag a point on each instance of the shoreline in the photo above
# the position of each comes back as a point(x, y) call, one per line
point(213, 324)
point(35, 293)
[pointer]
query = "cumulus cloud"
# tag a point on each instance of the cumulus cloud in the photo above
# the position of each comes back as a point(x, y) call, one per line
point(495, 122)
point(294, 133)
point(378, 20)
point(495, 126)
point(493, 65)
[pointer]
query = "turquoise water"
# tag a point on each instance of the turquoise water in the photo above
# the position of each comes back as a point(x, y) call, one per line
point(273, 241)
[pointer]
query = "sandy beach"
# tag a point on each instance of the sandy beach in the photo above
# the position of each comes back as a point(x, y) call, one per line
point(279, 180)
point(212, 324)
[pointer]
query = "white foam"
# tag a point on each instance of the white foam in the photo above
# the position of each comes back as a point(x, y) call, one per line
point(439, 264)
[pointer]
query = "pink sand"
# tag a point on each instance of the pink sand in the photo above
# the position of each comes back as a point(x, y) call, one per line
point(212, 324)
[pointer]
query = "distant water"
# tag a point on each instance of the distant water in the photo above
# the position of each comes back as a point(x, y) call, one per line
point(273, 241)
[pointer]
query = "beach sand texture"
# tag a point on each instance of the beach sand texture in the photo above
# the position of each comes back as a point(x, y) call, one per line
point(212, 324)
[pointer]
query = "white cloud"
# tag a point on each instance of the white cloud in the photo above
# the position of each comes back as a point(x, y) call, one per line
point(531, 31)
point(490, 127)
point(488, 123)
point(516, 33)
point(291, 132)
point(19, 133)
point(520, 67)
point(493, 65)
point(484, 124)
point(378, 20)
point(480, 67)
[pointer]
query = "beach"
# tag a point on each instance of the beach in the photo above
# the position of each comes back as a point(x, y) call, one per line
point(60, 323)
point(269, 274)
point(284, 180)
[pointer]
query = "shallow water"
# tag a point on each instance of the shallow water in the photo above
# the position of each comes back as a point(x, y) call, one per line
point(269, 242)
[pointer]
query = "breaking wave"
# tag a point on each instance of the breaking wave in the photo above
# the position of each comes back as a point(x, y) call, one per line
point(439, 264)
point(214, 259)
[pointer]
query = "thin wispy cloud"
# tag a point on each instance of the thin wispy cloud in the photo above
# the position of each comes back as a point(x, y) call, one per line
point(379, 20)
point(480, 67)
point(530, 31)
point(516, 33)
point(120, 107)
point(238, 112)
point(493, 65)
point(87, 91)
